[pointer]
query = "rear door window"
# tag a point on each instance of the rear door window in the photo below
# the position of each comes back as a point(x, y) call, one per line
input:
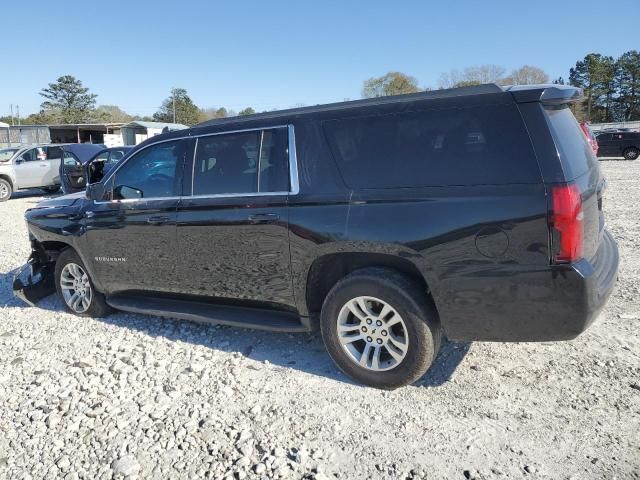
point(576, 155)
point(468, 146)
point(242, 162)
point(54, 153)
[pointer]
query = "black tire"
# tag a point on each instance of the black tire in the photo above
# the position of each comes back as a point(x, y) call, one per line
point(631, 153)
point(413, 305)
point(97, 306)
point(53, 189)
point(6, 190)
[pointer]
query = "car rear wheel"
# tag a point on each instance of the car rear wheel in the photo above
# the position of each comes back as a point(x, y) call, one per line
point(5, 190)
point(75, 288)
point(380, 328)
point(631, 153)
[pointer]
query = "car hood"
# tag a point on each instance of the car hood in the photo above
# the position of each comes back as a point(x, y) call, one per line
point(63, 201)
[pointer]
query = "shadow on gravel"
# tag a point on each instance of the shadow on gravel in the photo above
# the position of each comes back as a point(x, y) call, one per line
point(450, 356)
point(302, 351)
point(6, 289)
point(31, 192)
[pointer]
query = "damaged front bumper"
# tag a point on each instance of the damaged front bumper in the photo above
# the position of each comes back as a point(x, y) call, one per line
point(34, 281)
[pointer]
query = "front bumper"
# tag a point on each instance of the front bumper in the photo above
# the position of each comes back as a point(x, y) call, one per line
point(34, 281)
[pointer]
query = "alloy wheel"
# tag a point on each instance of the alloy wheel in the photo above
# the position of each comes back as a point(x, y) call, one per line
point(372, 333)
point(4, 191)
point(75, 287)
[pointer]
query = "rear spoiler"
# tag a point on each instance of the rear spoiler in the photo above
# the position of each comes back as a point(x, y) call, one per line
point(548, 94)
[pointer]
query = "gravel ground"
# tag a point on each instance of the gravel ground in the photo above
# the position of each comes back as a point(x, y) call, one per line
point(140, 397)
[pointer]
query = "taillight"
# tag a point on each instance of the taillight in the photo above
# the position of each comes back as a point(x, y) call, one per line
point(567, 223)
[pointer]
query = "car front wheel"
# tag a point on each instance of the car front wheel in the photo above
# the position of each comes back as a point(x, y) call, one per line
point(380, 328)
point(75, 288)
point(5, 190)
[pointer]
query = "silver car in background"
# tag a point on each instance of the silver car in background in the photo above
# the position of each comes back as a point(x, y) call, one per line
point(33, 166)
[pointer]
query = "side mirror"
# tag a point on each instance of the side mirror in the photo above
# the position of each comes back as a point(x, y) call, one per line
point(124, 192)
point(19, 160)
point(95, 191)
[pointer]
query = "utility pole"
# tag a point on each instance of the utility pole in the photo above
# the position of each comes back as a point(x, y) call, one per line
point(12, 122)
point(18, 113)
point(173, 94)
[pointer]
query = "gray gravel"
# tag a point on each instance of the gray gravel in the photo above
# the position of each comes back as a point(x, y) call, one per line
point(133, 396)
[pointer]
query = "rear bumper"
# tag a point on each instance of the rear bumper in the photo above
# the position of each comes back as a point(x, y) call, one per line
point(542, 304)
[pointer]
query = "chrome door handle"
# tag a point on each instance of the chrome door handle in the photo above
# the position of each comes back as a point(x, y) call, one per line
point(158, 220)
point(264, 217)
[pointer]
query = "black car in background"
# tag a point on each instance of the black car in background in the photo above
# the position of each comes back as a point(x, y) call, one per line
point(619, 143)
point(86, 161)
point(474, 212)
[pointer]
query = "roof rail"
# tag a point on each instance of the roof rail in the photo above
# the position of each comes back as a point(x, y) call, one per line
point(410, 97)
point(547, 93)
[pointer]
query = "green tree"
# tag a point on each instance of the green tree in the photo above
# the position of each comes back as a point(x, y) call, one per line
point(594, 74)
point(213, 113)
point(627, 85)
point(186, 112)
point(68, 101)
point(393, 83)
point(246, 111)
point(112, 114)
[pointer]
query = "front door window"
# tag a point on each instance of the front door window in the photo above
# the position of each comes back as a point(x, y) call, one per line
point(152, 173)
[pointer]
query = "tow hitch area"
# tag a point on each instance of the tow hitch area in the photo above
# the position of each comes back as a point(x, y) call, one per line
point(33, 282)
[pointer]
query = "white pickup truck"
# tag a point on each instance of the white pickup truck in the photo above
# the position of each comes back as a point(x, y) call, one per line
point(35, 166)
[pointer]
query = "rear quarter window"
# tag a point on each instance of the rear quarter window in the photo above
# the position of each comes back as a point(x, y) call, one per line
point(576, 155)
point(469, 146)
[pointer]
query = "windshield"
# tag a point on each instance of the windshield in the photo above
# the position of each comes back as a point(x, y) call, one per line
point(7, 153)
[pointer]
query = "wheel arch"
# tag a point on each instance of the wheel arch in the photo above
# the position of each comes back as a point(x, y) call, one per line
point(326, 270)
point(8, 178)
point(53, 248)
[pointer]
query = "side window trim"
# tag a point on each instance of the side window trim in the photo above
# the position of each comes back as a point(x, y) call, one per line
point(294, 182)
point(294, 185)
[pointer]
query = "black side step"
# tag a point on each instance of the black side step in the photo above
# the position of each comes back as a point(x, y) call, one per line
point(201, 312)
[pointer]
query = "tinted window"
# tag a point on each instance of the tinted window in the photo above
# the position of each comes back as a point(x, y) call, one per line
point(470, 146)
point(274, 161)
point(228, 163)
point(34, 154)
point(151, 173)
point(102, 157)
point(575, 153)
point(70, 159)
point(116, 155)
point(54, 153)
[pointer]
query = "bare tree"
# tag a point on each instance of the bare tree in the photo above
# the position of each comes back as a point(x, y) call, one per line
point(472, 76)
point(526, 75)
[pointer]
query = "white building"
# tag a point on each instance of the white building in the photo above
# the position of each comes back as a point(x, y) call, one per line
point(133, 133)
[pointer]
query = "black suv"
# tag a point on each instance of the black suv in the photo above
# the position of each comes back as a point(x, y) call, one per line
point(473, 212)
point(619, 144)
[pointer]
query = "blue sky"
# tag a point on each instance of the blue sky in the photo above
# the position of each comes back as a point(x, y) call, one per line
point(277, 54)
